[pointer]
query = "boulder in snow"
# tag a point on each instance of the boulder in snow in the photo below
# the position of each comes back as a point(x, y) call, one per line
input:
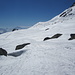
point(72, 37)
point(47, 38)
point(21, 46)
point(47, 29)
point(3, 52)
point(53, 37)
point(14, 29)
point(73, 4)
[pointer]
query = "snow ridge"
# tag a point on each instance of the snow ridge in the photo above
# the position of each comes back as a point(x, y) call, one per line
point(66, 15)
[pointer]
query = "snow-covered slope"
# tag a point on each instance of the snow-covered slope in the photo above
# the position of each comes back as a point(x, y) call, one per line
point(68, 14)
point(51, 57)
point(20, 27)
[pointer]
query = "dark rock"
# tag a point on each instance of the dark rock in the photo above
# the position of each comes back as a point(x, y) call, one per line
point(47, 29)
point(72, 37)
point(73, 4)
point(56, 36)
point(71, 14)
point(53, 37)
point(3, 52)
point(66, 13)
point(14, 29)
point(21, 46)
point(63, 14)
point(47, 38)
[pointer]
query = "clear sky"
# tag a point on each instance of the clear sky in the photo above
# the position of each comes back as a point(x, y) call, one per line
point(28, 12)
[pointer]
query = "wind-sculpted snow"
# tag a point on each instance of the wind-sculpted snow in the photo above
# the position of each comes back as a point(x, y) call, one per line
point(51, 57)
point(41, 58)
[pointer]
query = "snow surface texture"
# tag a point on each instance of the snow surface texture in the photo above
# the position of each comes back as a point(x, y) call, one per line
point(51, 57)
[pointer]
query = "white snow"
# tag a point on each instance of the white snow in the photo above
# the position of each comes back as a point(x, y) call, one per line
point(51, 57)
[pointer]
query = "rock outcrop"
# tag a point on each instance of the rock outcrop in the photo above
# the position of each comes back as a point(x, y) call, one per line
point(53, 37)
point(3, 52)
point(72, 37)
point(21, 46)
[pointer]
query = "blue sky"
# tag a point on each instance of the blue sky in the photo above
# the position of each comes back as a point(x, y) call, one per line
point(28, 12)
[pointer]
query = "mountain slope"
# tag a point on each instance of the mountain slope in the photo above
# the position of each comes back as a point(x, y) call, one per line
point(51, 57)
point(2, 30)
point(63, 17)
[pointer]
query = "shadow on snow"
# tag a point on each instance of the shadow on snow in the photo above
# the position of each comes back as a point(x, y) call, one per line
point(16, 54)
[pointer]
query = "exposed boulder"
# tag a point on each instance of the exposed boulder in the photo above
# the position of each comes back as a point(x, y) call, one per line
point(3, 52)
point(21, 46)
point(47, 38)
point(56, 36)
point(73, 4)
point(66, 13)
point(53, 37)
point(72, 37)
point(47, 29)
point(63, 14)
point(14, 29)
